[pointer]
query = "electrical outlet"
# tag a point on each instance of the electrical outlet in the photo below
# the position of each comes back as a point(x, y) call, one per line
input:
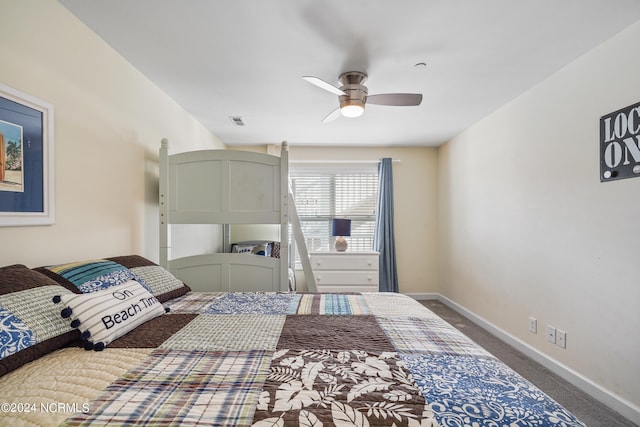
point(533, 325)
point(551, 334)
point(561, 338)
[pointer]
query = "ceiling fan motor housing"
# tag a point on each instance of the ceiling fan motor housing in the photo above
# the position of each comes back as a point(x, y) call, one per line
point(353, 87)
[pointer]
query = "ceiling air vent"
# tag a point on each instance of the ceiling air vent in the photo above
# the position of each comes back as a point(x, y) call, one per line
point(237, 120)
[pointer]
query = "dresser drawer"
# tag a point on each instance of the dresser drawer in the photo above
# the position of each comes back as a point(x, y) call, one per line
point(344, 262)
point(324, 278)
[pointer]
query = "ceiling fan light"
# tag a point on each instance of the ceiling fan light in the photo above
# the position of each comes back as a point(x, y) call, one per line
point(352, 104)
point(352, 110)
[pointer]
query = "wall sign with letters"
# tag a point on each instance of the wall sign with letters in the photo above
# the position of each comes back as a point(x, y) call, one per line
point(620, 144)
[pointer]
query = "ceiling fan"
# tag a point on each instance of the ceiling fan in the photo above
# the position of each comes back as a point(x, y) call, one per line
point(353, 95)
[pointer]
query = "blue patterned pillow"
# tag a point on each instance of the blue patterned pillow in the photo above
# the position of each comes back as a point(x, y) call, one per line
point(94, 275)
point(29, 326)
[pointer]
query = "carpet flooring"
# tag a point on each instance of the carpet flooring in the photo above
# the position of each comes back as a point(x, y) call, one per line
point(590, 411)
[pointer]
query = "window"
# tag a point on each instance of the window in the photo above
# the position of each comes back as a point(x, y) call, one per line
point(323, 194)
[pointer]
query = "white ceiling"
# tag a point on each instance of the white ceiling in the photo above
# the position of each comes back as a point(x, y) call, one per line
point(222, 58)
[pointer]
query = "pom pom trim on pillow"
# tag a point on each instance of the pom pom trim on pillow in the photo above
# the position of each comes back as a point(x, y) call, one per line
point(106, 315)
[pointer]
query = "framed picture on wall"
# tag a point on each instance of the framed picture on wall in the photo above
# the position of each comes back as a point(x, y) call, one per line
point(26, 159)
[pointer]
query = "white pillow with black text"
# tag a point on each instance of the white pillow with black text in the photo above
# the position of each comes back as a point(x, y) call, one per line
point(108, 314)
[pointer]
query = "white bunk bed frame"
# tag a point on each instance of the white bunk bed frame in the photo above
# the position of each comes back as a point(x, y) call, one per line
point(228, 187)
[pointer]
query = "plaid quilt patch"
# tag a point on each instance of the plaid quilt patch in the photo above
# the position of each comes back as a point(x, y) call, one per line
point(193, 302)
point(392, 304)
point(180, 388)
point(332, 304)
point(425, 335)
point(228, 332)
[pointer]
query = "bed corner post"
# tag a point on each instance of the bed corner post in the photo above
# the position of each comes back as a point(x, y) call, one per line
point(163, 203)
point(284, 216)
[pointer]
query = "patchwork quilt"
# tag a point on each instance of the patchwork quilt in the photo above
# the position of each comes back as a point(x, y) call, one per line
point(280, 359)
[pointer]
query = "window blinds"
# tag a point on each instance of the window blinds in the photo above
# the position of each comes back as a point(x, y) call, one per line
point(321, 195)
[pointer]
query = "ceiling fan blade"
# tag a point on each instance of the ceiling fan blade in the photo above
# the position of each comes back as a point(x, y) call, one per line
point(323, 85)
point(395, 99)
point(332, 116)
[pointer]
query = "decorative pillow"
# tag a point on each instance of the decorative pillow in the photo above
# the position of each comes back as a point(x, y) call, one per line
point(105, 315)
point(253, 247)
point(89, 276)
point(163, 284)
point(30, 326)
point(93, 275)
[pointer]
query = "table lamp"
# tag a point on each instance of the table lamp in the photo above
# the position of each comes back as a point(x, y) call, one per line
point(341, 227)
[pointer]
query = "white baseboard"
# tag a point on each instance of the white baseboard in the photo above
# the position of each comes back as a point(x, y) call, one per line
point(613, 401)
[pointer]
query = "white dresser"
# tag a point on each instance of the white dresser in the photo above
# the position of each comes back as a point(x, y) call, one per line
point(345, 271)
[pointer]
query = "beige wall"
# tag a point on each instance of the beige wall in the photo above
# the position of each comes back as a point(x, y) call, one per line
point(415, 194)
point(527, 229)
point(109, 120)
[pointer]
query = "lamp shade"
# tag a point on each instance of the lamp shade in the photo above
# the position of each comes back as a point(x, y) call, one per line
point(341, 227)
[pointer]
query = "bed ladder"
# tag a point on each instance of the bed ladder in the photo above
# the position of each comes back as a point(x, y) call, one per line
point(301, 245)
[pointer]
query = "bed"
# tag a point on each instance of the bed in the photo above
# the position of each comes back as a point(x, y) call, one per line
point(225, 187)
point(240, 358)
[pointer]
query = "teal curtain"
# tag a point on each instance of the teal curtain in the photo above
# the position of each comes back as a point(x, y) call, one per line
point(384, 237)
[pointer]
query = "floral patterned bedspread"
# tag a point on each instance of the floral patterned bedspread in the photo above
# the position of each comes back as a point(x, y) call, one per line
point(279, 359)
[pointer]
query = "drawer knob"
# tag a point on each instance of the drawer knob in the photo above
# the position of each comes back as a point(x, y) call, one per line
point(369, 278)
